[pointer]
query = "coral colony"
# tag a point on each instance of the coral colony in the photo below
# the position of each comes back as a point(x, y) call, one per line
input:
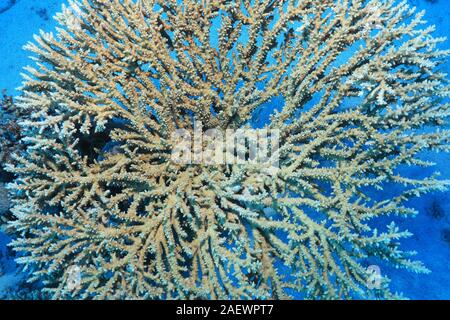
point(352, 91)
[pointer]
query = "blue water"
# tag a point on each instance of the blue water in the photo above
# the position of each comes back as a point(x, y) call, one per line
point(21, 19)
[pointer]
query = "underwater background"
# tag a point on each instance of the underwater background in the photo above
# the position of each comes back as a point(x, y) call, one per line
point(21, 19)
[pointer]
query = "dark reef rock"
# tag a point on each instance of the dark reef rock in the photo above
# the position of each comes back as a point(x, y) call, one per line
point(42, 13)
point(6, 5)
point(10, 133)
point(5, 203)
point(435, 209)
point(446, 235)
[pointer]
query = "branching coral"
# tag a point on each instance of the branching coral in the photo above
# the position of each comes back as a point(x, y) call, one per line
point(361, 96)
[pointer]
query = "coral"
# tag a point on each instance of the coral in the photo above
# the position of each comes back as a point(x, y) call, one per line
point(359, 96)
point(10, 131)
point(5, 203)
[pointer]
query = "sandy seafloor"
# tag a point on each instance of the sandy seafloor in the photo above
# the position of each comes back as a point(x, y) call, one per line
point(21, 19)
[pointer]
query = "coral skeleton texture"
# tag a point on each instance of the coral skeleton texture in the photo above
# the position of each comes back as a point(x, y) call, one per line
point(359, 96)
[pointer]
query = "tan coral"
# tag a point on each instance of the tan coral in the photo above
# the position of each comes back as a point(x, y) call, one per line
point(140, 226)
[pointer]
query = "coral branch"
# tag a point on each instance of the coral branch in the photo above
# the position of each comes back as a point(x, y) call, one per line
point(359, 83)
